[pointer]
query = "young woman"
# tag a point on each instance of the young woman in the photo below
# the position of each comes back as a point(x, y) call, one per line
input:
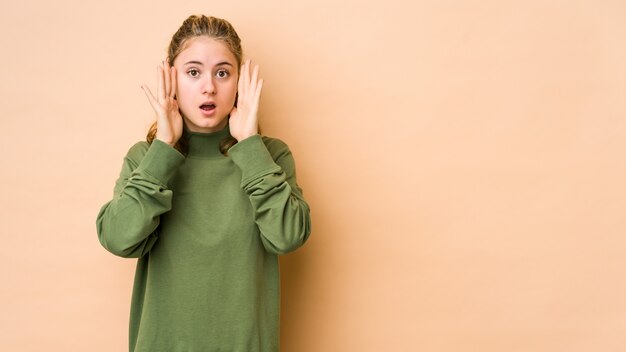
point(206, 204)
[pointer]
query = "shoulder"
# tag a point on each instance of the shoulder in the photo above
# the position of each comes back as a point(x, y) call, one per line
point(137, 151)
point(275, 146)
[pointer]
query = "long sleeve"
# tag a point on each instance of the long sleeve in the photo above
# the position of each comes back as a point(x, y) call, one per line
point(269, 179)
point(127, 225)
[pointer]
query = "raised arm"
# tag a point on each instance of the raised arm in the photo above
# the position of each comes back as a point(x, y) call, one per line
point(268, 172)
point(269, 179)
point(127, 225)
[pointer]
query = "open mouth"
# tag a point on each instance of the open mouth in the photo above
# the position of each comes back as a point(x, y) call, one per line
point(207, 107)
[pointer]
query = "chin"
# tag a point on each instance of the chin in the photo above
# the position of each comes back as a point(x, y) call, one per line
point(210, 123)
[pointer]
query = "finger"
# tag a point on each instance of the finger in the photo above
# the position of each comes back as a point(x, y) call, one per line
point(257, 95)
point(243, 80)
point(240, 83)
point(254, 80)
point(160, 88)
point(167, 79)
point(246, 78)
point(174, 82)
point(151, 98)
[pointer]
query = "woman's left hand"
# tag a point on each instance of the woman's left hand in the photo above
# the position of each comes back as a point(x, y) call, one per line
point(243, 121)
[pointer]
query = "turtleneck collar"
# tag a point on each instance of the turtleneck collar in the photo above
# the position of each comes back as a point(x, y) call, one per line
point(205, 145)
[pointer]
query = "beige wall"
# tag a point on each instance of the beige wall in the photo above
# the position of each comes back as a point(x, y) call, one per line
point(464, 160)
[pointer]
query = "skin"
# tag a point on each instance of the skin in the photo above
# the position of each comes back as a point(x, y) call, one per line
point(205, 71)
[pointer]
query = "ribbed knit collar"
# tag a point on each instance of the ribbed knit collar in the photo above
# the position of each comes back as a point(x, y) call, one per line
point(205, 145)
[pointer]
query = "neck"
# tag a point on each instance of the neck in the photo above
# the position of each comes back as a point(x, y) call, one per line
point(205, 144)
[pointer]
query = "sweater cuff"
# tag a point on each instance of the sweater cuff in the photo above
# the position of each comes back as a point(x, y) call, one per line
point(160, 162)
point(253, 158)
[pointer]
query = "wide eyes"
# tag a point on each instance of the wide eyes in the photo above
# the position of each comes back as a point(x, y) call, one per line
point(221, 73)
point(193, 72)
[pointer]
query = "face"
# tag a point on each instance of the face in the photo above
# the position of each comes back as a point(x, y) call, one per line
point(206, 84)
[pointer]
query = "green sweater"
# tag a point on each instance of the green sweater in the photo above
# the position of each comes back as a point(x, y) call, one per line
point(207, 230)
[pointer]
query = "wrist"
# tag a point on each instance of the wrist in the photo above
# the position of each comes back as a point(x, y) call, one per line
point(244, 136)
point(168, 142)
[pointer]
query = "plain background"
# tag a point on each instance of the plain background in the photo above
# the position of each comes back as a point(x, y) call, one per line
point(465, 162)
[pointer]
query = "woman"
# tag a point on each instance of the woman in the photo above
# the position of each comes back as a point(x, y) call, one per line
point(206, 204)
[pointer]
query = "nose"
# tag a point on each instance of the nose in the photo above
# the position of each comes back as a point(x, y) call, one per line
point(209, 86)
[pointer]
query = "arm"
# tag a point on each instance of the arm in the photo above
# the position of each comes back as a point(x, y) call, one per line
point(127, 224)
point(269, 179)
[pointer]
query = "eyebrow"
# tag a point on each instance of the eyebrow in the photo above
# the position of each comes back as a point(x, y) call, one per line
point(200, 63)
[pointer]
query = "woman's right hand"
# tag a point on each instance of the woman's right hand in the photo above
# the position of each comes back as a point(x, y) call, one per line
point(169, 120)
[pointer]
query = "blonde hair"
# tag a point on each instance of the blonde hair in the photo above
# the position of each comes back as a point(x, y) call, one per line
point(196, 26)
